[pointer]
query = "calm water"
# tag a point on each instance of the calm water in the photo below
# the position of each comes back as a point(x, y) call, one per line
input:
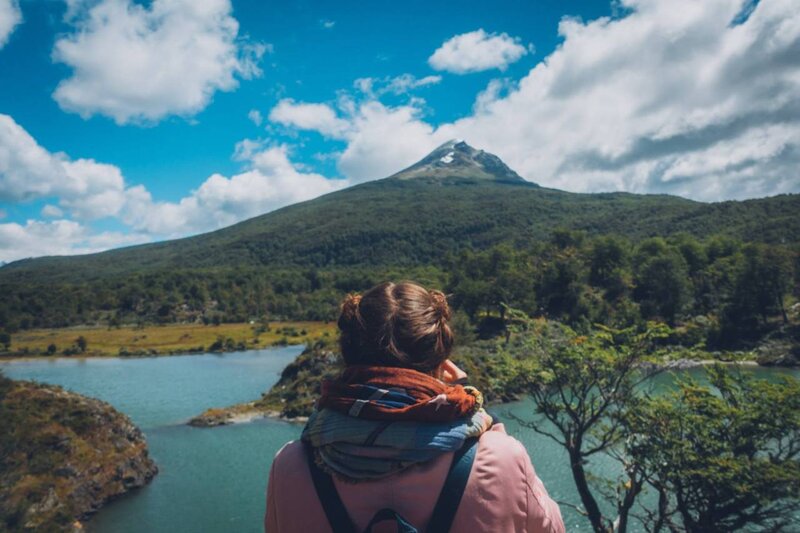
point(214, 479)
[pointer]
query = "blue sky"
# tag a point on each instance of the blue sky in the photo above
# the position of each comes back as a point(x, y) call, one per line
point(125, 122)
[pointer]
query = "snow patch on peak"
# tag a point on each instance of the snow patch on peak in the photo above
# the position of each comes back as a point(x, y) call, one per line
point(448, 158)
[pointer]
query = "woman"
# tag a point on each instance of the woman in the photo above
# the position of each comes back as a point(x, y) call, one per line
point(397, 443)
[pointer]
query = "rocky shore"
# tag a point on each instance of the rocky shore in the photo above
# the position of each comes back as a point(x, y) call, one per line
point(291, 398)
point(62, 456)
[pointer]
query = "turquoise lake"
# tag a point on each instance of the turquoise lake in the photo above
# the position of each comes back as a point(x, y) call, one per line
point(214, 479)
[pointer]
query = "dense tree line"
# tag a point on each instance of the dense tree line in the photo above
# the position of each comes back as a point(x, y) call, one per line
point(719, 292)
point(210, 296)
point(723, 293)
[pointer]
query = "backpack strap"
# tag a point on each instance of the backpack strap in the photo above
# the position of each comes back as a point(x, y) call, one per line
point(443, 513)
point(390, 514)
point(453, 489)
point(332, 504)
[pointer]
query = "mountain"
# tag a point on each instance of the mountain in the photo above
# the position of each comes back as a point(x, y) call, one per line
point(455, 197)
point(457, 159)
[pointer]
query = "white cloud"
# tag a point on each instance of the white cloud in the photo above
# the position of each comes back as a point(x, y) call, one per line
point(26, 169)
point(384, 140)
point(88, 189)
point(269, 181)
point(380, 139)
point(476, 51)
point(10, 17)
point(255, 117)
point(57, 237)
point(327, 24)
point(52, 211)
point(673, 98)
point(139, 64)
point(318, 117)
point(398, 85)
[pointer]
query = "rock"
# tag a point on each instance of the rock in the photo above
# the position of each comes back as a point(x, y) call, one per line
point(780, 348)
point(64, 456)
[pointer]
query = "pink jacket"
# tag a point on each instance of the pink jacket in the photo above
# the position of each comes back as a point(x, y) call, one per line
point(503, 493)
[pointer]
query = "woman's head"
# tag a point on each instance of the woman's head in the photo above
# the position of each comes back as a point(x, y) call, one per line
point(396, 324)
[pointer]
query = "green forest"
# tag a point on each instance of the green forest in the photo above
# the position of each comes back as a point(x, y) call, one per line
point(724, 274)
point(719, 293)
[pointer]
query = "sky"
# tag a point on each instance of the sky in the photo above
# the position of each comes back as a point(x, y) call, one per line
point(124, 122)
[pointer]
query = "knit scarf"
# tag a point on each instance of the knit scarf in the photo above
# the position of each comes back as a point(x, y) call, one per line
point(374, 421)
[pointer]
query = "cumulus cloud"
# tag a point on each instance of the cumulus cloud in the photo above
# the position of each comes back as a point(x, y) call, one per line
point(10, 17)
point(57, 237)
point(681, 97)
point(476, 51)
point(139, 63)
point(318, 117)
point(384, 140)
point(88, 189)
point(269, 181)
point(673, 98)
point(380, 139)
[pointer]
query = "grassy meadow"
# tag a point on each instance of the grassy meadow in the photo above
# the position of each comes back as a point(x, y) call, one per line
point(165, 339)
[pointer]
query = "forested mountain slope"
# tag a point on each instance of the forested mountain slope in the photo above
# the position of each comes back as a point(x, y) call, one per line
point(297, 262)
point(417, 220)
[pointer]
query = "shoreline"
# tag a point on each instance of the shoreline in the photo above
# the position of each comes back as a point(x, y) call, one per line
point(162, 339)
point(242, 413)
point(247, 412)
point(22, 358)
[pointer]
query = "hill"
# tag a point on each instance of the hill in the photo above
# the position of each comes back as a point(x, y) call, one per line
point(62, 456)
point(454, 199)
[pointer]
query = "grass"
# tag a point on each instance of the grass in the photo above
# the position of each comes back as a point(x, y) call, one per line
point(166, 339)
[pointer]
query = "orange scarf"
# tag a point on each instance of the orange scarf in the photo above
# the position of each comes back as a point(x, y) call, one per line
point(394, 394)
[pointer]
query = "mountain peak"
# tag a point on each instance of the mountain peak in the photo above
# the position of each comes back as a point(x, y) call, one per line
point(457, 159)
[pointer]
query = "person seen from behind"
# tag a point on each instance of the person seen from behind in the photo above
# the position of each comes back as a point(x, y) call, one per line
point(397, 442)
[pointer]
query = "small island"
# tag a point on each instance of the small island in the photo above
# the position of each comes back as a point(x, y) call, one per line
point(63, 456)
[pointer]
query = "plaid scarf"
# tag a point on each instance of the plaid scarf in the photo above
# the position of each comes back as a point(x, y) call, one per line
point(388, 393)
point(392, 419)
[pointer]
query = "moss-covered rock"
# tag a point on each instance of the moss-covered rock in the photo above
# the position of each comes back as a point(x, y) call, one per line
point(62, 456)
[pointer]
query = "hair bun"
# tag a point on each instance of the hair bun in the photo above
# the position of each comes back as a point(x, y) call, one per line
point(440, 304)
point(350, 306)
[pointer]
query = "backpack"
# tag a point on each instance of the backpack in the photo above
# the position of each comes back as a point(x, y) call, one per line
point(443, 513)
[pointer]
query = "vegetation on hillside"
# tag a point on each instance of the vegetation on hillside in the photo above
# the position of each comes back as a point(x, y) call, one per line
point(719, 293)
point(62, 456)
point(296, 263)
